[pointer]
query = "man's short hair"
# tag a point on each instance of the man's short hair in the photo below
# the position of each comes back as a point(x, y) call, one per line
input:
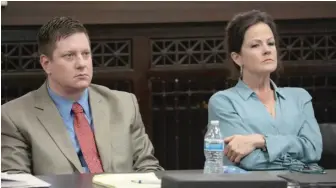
point(54, 30)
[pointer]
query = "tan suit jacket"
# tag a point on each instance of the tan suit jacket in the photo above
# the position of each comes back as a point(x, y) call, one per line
point(34, 138)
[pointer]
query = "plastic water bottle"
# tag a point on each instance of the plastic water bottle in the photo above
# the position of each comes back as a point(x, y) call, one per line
point(213, 149)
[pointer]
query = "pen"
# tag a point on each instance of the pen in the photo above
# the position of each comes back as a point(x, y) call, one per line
point(146, 182)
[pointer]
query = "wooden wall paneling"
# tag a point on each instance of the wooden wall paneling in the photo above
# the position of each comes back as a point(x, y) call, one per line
point(114, 12)
point(141, 62)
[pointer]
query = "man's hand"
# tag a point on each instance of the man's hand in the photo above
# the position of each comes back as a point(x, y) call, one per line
point(238, 146)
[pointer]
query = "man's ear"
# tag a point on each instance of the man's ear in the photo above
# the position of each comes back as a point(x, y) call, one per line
point(45, 63)
point(236, 58)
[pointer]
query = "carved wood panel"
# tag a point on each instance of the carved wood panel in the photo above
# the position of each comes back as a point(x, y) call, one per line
point(187, 51)
point(114, 53)
point(19, 57)
point(309, 47)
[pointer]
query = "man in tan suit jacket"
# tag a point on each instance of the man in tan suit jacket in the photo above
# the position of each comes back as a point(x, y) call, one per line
point(35, 136)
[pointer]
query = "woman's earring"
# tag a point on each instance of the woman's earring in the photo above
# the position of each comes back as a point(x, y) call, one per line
point(241, 71)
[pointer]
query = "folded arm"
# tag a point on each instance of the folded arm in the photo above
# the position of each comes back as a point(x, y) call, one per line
point(220, 108)
point(143, 151)
point(306, 146)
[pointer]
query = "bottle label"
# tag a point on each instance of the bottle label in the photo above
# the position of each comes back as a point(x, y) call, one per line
point(214, 146)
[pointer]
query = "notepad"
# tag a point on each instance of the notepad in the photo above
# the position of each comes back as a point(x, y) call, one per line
point(125, 180)
point(21, 180)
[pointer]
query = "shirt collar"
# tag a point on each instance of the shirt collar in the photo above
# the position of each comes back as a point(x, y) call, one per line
point(245, 92)
point(65, 105)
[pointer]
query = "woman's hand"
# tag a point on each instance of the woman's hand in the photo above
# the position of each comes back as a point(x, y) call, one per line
point(238, 146)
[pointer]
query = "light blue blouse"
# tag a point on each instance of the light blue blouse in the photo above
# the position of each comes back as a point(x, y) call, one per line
point(293, 137)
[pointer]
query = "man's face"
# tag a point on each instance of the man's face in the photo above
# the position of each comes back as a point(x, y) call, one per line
point(70, 67)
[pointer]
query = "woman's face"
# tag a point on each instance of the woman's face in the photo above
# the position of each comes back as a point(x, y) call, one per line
point(258, 54)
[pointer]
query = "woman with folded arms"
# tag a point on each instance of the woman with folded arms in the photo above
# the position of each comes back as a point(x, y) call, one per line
point(265, 127)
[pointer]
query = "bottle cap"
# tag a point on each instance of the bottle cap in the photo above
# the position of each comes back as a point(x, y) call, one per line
point(214, 122)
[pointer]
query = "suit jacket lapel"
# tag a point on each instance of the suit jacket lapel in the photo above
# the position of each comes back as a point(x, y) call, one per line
point(101, 122)
point(53, 123)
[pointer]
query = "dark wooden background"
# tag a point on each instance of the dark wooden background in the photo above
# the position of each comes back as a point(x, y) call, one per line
point(172, 56)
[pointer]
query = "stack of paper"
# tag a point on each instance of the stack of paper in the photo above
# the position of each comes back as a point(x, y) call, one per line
point(132, 180)
point(21, 180)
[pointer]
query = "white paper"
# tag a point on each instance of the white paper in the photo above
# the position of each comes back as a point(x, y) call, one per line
point(125, 180)
point(21, 180)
